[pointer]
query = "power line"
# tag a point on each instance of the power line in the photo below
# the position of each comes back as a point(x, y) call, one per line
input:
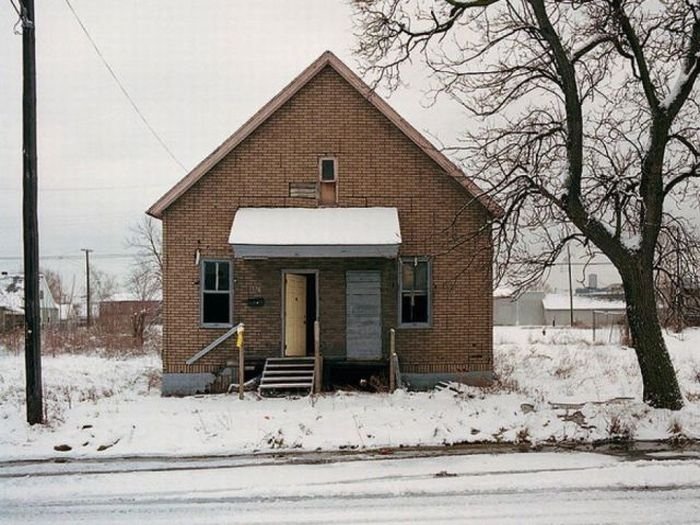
point(75, 257)
point(123, 89)
point(15, 8)
point(91, 188)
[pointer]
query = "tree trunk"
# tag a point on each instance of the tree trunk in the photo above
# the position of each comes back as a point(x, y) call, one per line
point(658, 375)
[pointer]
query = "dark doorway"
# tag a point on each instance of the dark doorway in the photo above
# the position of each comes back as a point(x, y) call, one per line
point(311, 311)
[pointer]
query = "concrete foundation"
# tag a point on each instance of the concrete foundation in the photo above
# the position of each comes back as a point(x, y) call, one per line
point(428, 381)
point(186, 384)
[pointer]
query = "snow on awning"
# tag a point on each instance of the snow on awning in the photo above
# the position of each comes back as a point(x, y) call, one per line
point(315, 232)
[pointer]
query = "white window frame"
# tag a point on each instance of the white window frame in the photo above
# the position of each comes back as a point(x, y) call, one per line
point(429, 286)
point(202, 292)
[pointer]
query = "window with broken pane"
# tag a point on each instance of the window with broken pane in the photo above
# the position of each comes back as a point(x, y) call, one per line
point(415, 291)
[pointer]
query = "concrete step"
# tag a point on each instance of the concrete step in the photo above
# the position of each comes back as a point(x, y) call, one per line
point(287, 374)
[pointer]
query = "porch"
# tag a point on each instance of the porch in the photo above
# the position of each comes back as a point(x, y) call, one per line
point(298, 374)
point(295, 270)
point(330, 267)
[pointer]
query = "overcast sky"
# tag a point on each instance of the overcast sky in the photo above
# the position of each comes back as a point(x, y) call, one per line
point(197, 70)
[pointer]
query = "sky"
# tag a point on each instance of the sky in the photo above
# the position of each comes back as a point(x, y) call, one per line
point(196, 70)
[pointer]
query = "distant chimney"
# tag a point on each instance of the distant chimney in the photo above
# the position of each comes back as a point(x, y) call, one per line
point(593, 281)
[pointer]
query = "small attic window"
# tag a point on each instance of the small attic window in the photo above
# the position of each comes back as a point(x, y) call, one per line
point(328, 178)
point(327, 170)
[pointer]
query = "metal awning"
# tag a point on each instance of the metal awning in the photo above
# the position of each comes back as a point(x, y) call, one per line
point(315, 232)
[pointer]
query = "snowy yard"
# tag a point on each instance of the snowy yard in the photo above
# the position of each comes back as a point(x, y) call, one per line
point(553, 387)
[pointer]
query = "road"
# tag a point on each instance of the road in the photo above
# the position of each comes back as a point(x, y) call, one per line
point(545, 487)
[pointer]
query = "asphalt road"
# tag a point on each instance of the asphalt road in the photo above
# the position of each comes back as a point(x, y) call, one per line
point(484, 488)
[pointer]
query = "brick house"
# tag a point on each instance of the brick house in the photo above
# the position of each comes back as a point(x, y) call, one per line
point(326, 206)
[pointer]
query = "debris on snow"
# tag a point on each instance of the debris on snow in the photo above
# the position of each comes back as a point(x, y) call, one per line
point(101, 406)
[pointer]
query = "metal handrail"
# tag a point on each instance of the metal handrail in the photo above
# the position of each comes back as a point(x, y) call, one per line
point(204, 351)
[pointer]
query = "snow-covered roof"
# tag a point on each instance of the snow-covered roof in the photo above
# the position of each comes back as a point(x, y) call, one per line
point(320, 232)
point(119, 297)
point(12, 292)
point(557, 301)
point(503, 292)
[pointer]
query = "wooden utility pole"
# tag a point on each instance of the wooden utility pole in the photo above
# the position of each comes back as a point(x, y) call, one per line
point(87, 285)
point(32, 306)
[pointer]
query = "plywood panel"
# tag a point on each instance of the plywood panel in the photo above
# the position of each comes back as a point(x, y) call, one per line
point(363, 315)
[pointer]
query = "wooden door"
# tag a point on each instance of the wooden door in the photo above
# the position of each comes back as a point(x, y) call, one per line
point(294, 315)
point(363, 315)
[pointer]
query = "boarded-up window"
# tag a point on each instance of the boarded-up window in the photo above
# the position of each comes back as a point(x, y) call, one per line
point(328, 178)
point(303, 190)
point(216, 293)
point(415, 291)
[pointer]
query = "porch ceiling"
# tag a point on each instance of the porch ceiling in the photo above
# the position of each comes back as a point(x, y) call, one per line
point(315, 232)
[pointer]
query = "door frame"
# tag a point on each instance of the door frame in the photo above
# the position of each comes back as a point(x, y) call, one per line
point(283, 286)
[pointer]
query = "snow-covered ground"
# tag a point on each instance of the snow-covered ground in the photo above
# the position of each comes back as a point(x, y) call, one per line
point(552, 387)
point(482, 488)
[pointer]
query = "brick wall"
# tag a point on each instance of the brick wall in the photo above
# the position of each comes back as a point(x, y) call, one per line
point(377, 166)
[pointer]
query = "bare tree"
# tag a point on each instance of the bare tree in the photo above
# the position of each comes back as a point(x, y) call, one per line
point(588, 128)
point(146, 291)
point(146, 238)
point(677, 280)
point(103, 285)
point(145, 280)
point(55, 283)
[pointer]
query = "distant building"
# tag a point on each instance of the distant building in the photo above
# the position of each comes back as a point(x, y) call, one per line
point(612, 292)
point(586, 308)
point(80, 311)
point(523, 310)
point(119, 311)
point(12, 301)
point(536, 308)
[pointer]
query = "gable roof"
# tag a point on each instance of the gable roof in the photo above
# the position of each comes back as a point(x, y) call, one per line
point(12, 292)
point(326, 59)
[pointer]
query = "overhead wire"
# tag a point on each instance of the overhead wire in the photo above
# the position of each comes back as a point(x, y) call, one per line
point(90, 188)
point(123, 89)
point(15, 8)
point(20, 19)
point(75, 257)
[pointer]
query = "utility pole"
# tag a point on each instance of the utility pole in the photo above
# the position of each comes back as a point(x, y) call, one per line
point(87, 283)
point(32, 307)
point(571, 289)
